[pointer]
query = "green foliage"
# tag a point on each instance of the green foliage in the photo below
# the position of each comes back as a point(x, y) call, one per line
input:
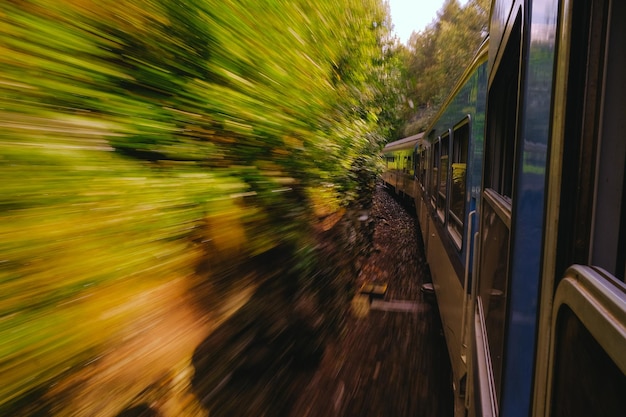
point(139, 137)
point(436, 57)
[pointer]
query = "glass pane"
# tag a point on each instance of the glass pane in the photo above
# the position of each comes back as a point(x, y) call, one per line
point(492, 287)
point(459, 167)
point(609, 240)
point(443, 182)
point(586, 381)
point(443, 175)
point(424, 167)
point(435, 178)
point(502, 119)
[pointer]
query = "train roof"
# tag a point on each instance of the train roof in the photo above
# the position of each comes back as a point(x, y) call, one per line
point(406, 143)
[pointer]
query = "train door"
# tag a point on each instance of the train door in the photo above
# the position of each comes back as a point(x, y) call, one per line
point(491, 288)
point(583, 305)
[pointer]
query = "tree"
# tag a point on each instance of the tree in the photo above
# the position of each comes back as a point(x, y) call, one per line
point(438, 56)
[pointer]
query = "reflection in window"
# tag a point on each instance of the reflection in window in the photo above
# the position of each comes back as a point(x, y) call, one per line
point(460, 142)
point(443, 176)
point(493, 282)
point(586, 380)
point(423, 166)
point(435, 178)
point(609, 227)
point(502, 119)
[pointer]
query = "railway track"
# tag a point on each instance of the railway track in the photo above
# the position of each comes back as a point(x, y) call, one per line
point(392, 359)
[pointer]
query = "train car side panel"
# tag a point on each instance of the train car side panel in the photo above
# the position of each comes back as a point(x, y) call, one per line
point(399, 158)
point(582, 337)
point(450, 296)
point(528, 211)
point(455, 140)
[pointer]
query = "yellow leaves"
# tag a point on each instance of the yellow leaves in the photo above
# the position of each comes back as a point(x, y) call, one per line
point(326, 200)
point(225, 229)
point(130, 14)
point(293, 143)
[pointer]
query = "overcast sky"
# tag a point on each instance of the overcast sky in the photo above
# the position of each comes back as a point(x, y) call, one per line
point(413, 15)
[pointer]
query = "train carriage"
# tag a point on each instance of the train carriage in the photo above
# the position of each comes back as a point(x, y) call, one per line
point(400, 165)
point(549, 337)
point(450, 193)
point(529, 264)
point(445, 189)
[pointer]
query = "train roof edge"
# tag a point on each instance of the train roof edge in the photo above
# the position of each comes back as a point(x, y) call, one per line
point(410, 141)
point(405, 143)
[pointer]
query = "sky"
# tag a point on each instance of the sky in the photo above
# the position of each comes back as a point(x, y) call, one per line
point(413, 15)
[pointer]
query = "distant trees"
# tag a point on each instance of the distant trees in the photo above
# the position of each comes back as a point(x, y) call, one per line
point(436, 57)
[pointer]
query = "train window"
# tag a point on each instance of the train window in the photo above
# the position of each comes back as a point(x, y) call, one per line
point(492, 288)
point(593, 218)
point(442, 187)
point(423, 166)
point(500, 150)
point(495, 235)
point(502, 121)
point(586, 381)
point(419, 161)
point(435, 176)
point(609, 225)
point(460, 143)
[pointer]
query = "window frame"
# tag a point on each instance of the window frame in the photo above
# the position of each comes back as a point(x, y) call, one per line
point(463, 150)
point(598, 300)
point(442, 196)
point(434, 179)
